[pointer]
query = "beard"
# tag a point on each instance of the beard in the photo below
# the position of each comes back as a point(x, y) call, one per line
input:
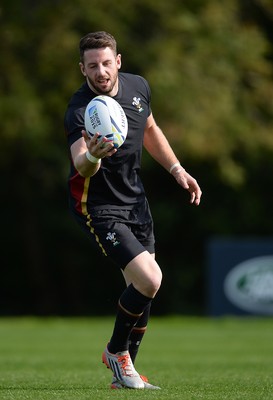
point(98, 89)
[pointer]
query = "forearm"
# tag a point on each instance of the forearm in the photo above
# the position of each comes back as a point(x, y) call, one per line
point(86, 164)
point(159, 148)
point(87, 153)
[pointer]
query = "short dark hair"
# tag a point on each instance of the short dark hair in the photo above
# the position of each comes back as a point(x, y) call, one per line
point(97, 40)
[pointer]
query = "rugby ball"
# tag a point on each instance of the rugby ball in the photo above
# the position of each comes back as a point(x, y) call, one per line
point(106, 116)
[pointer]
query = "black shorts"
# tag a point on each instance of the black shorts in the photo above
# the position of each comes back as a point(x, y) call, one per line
point(120, 234)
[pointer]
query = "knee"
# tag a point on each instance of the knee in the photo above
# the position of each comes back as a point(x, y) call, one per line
point(151, 284)
point(144, 273)
point(155, 286)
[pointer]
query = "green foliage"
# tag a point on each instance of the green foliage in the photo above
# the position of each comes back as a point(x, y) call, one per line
point(209, 64)
point(211, 81)
point(212, 84)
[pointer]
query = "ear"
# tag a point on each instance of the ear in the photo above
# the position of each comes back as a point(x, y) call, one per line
point(118, 61)
point(82, 69)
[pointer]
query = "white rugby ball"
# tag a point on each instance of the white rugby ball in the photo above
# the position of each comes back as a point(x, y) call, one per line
point(106, 116)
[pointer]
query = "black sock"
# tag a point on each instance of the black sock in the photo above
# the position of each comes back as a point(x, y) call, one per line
point(138, 332)
point(130, 308)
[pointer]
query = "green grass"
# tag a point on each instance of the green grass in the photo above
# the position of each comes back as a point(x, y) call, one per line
point(191, 358)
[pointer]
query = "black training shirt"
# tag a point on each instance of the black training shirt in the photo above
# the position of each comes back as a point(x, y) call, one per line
point(117, 183)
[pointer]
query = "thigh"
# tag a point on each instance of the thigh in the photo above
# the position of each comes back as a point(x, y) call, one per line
point(141, 223)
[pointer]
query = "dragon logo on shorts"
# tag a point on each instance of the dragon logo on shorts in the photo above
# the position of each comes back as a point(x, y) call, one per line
point(112, 237)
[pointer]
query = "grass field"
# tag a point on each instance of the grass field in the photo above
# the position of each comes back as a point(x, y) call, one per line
point(190, 358)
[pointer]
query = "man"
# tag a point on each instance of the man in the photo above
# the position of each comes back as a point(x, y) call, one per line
point(108, 200)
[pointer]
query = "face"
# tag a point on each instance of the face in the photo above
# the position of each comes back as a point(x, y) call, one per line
point(100, 67)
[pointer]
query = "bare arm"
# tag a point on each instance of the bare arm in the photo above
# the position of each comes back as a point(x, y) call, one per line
point(158, 146)
point(87, 153)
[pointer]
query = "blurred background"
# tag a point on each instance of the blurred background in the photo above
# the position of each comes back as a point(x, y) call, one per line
point(210, 68)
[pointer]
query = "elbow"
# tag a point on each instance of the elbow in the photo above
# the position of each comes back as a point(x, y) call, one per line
point(84, 172)
point(80, 169)
point(87, 172)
